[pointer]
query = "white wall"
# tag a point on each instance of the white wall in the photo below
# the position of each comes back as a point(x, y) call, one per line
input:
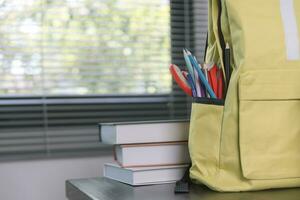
point(45, 179)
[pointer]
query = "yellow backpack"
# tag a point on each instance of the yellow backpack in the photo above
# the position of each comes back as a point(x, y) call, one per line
point(251, 141)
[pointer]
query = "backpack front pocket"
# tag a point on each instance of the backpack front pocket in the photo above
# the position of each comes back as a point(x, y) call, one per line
point(204, 137)
point(269, 124)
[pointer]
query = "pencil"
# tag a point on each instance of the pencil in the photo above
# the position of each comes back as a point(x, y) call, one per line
point(227, 65)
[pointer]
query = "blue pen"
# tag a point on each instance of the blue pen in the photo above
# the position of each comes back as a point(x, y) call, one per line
point(190, 81)
point(201, 75)
point(189, 66)
point(203, 91)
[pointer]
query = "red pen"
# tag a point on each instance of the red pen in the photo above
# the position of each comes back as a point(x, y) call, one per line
point(180, 79)
point(212, 73)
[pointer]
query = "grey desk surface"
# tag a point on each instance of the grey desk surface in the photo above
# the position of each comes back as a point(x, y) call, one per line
point(106, 189)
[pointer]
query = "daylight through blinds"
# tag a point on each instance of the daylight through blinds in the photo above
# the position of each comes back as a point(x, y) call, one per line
point(59, 47)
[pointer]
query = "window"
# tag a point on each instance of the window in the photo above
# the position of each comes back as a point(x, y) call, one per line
point(67, 65)
point(84, 47)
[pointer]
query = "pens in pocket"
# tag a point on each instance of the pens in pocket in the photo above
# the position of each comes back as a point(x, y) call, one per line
point(195, 64)
point(200, 81)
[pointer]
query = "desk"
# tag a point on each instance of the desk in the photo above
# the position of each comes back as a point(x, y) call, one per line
point(106, 189)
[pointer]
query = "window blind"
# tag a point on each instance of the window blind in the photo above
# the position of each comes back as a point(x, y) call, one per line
point(67, 65)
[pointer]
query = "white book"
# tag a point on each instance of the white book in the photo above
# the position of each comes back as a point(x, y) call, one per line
point(152, 154)
point(144, 175)
point(144, 132)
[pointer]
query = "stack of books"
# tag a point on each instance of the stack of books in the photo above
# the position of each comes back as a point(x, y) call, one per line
point(152, 152)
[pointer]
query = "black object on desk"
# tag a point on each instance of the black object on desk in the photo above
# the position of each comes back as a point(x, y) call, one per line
point(106, 189)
